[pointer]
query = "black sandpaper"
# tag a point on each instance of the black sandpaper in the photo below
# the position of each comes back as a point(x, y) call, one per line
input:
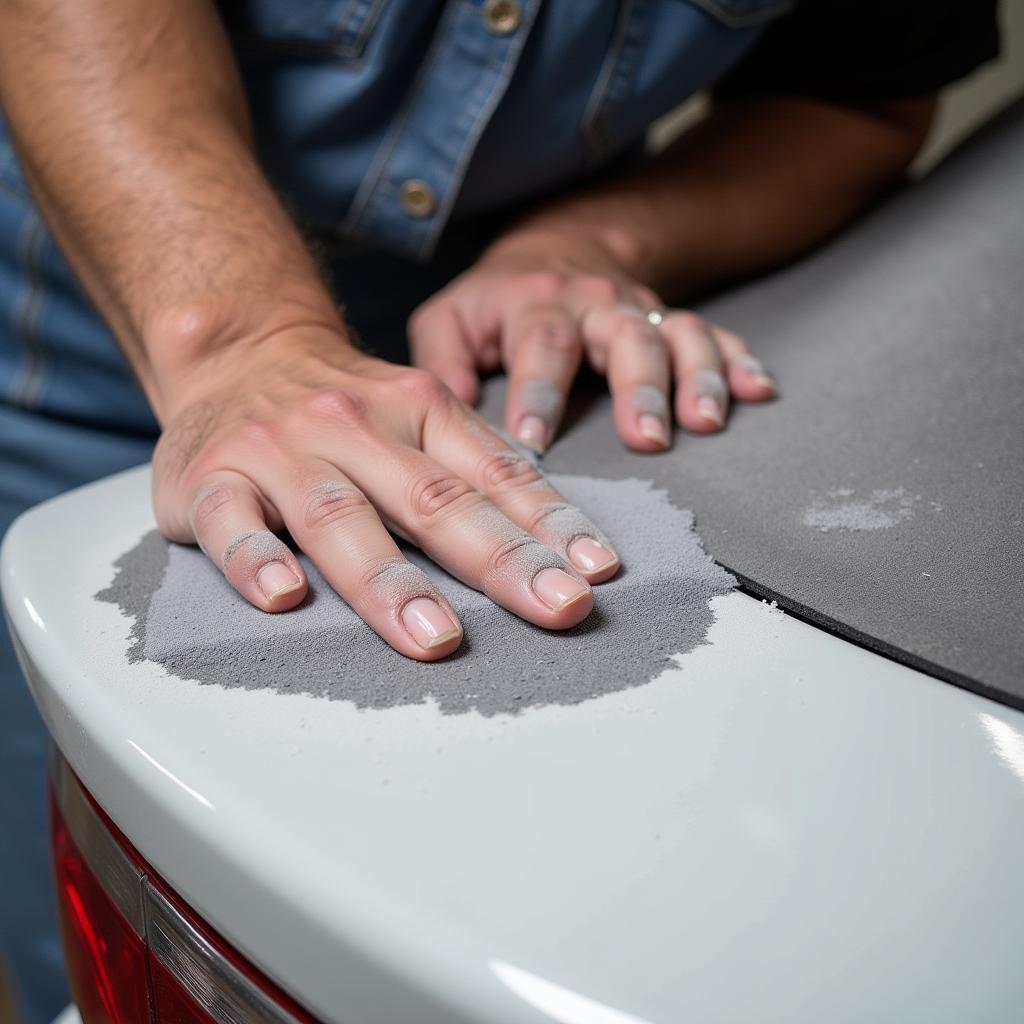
point(883, 494)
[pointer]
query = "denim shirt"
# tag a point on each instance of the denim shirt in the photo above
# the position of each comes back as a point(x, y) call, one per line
point(383, 122)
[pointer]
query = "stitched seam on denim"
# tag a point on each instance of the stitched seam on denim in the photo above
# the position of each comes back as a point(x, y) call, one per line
point(483, 117)
point(27, 387)
point(758, 16)
point(355, 28)
point(591, 134)
point(350, 225)
point(623, 74)
point(625, 67)
point(347, 16)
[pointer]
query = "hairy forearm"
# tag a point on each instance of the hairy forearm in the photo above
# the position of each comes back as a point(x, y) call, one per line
point(132, 127)
point(755, 184)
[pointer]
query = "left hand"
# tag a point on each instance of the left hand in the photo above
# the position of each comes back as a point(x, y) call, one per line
point(536, 304)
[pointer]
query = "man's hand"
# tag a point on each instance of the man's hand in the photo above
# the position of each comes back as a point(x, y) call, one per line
point(758, 182)
point(301, 430)
point(537, 303)
point(141, 160)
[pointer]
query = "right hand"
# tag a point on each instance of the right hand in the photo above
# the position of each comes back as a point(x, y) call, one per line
point(300, 430)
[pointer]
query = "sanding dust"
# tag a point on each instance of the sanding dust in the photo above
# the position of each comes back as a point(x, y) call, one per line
point(188, 619)
point(843, 510)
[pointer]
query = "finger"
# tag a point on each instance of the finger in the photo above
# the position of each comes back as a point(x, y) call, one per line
point(544, 354)
point(230, 525)
point(335, 525)
point(438, 342)
point(460, 529)
point(639, 374)
point(702, 396)
point(517, 487)
point(748, 379)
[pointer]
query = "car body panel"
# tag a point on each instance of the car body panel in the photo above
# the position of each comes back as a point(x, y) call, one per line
point(784, 827)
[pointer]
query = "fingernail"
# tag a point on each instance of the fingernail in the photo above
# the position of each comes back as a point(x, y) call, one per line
point(709, 409)
point(533, 431)
point(428, 623)
point(754, 366)
point(275, 579)
point(590, 555)
point(558, 589)
point(654, 429)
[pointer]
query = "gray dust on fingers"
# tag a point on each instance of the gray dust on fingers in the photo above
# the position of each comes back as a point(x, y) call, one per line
point(521, 490)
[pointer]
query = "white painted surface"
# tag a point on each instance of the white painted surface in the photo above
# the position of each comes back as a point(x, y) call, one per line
point(783, 828)
point(69, 1016)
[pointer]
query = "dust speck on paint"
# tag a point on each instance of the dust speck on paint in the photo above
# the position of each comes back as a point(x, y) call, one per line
point(188, 619)
point(841, 509)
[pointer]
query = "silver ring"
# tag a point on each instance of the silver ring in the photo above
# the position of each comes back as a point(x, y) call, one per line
point(656, 317)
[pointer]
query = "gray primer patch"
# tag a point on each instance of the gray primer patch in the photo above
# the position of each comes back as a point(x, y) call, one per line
point(844, 511)
point(189, 619)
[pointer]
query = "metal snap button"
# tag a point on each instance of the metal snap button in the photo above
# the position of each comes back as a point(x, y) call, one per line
point(502, 17)
point(418, 198)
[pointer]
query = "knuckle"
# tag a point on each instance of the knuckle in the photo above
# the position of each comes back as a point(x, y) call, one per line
point(394, 580)
point(421, 385)
point(637, 333)
point(247, 552)
point(331, 503)
point(336, 407)
point(210, 503)
point(259, 434)
point(508, 469)
point(375, 572)
point(436, 494)
point(551, 511)
point(688, 322)
point(545, 284)
point(505, 554)
point(600, 289)
point(647, 299)
point(552, 335)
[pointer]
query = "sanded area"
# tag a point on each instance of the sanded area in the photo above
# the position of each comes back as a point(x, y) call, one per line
point(884, 493)
point(188, 619)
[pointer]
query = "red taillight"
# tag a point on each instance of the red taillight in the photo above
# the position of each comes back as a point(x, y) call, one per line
point(173, 1001)
point(106, 958)
point(135, 953)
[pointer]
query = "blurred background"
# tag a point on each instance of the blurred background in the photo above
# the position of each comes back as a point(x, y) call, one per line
point(973, 101)
point(964, 107)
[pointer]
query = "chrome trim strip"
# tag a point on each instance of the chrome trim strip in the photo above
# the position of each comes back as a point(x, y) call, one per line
point(120, 878)
point(226, 994)
point(223, 991)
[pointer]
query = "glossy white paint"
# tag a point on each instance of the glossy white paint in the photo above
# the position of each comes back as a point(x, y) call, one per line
point(784, 828)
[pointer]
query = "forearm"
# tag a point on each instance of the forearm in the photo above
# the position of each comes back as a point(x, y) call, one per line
point(132, 127)
point(757, 183)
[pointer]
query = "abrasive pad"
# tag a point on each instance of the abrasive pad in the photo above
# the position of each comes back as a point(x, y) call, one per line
point(188, 619)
